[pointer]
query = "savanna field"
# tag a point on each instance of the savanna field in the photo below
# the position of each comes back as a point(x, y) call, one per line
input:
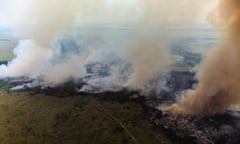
point(28, 118)
point(34, 117)
point(119, 72)
point(40, 119)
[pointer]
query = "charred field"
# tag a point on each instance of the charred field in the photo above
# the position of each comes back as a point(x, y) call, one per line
point(31, 117)
point(124, 116)
point(83, 111)
point(62, 115)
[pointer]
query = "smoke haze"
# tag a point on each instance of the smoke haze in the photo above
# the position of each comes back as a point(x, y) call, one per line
point(45, 23)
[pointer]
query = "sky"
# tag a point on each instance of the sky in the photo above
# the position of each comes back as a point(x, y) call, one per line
point(14, 12)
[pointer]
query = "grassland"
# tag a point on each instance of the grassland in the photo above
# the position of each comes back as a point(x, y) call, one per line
point(5, 56)
point(40, 119)
point(6, 48)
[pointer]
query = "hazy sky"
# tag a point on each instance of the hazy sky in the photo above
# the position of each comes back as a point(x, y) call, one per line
point(107, 11)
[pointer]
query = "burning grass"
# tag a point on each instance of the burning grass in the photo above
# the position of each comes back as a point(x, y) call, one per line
point(201, 129)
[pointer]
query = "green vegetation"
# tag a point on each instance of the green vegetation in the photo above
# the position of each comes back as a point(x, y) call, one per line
point(6, 49)
point(5, 55)
point(4, 86)
point(40, 119)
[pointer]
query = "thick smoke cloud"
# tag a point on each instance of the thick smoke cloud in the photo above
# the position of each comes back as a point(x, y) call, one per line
point(45, 23)
point(219, 75)
point(42, 22)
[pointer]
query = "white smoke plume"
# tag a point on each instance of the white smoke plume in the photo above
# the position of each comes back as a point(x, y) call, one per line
point(45, 23)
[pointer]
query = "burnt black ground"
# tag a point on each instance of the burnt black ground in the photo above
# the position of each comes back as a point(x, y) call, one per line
point(216, 129)
point(220, 128)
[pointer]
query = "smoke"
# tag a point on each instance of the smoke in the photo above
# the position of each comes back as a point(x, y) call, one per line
point(42, 23)
point(170, 12)
point(55, 52)
point(218, 76)
point(150, 64)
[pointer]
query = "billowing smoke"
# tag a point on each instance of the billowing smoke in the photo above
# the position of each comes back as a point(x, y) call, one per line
point(42, 23)
point(50, 57)
point(219, 75)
